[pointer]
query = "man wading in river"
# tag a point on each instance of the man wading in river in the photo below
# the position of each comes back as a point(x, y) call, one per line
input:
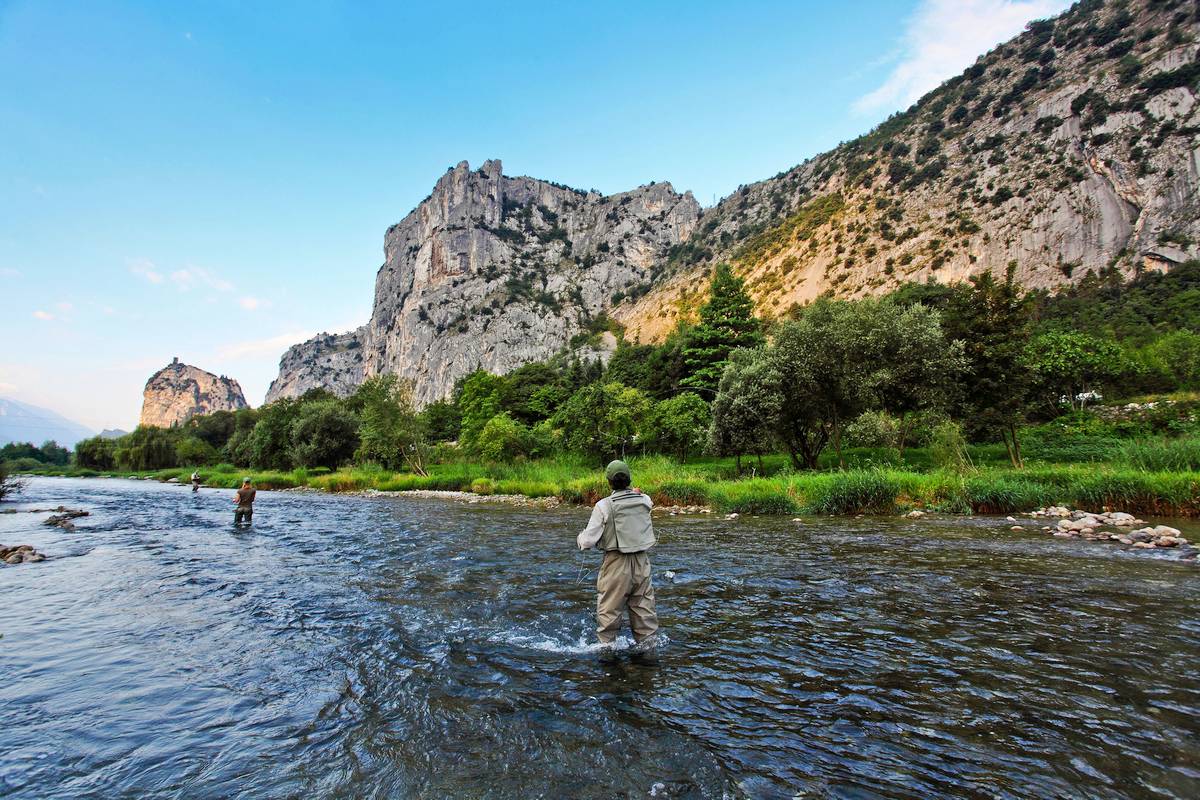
point(621, 527)
point(245, 503)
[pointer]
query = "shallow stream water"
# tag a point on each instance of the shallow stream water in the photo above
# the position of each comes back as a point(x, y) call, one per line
point(347, 647)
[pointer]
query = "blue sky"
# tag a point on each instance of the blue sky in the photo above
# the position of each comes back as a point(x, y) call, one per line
point(213, 180)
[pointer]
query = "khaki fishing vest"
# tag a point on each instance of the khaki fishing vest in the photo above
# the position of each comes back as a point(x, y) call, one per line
point(628, 528)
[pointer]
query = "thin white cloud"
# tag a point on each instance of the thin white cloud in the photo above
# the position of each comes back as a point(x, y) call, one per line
point(44, 316)
point(198, 277)
point(250, 303)
point(944, 37)
point(146, 269)
point(9, 272)
point(257, 348)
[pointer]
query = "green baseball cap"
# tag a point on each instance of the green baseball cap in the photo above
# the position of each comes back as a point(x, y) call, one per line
point(616, 468)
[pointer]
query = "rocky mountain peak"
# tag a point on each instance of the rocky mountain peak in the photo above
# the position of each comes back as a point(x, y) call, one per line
point(179, 391)
point(1071, 149)
point(492, 271)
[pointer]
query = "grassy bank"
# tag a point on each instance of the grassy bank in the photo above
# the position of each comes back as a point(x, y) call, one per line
point(867, 490)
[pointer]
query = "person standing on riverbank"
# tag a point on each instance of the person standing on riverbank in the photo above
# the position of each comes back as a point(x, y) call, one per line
point(245, 503)
point(620, 526)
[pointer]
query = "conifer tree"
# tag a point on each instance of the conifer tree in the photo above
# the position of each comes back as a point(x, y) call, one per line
point(727, 322)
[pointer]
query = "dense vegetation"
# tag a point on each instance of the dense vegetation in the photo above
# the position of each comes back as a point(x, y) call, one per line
point(957, 383)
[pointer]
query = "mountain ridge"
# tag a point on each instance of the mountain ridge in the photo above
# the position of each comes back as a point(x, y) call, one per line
point(1070, 149)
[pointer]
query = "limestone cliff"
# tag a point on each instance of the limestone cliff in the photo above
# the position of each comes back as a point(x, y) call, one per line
point(178, 392)
point(1070, 149)
point(493, 271)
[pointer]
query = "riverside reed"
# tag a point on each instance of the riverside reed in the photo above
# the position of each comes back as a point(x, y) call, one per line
point(869, 490)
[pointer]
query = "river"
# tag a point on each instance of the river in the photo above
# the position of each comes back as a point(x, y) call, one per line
point(348, 647)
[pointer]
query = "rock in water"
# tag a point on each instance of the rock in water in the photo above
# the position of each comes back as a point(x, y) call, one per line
point(178, 392)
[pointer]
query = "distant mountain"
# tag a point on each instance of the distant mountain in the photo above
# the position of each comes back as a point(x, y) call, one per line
point(112, 433)
point(21, 422)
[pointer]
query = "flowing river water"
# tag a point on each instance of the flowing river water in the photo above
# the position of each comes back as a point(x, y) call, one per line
point(401, 647)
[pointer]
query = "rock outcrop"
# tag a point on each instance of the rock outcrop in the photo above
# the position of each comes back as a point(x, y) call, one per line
point(1073, 148)
point(493, 272)
point(178, 392)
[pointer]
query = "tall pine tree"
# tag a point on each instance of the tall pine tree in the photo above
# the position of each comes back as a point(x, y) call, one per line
point(727, 322)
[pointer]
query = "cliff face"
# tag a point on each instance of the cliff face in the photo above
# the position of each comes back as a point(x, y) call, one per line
point(492, 271)
point(178, 392)
point(330, 361)
point(1072, 148)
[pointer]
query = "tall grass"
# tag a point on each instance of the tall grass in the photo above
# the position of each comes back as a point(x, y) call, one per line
point(1162, 455)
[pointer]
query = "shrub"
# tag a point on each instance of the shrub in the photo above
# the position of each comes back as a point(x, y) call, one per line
point(483, 486)
point(948, 448)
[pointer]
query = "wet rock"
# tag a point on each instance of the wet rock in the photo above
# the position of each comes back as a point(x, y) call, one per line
point(1167, 541)
point(732, 516)
point(1165, 530)
point(1141, 535)
point(1144, 545)
point(1016, 528)
point(64, 520)
point(916, 513)
point(20, 554)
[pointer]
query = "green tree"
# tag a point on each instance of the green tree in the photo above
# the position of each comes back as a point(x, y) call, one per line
point(1179, 354)
point(96, 453)
point(56, 454)
point(215, 428)
point(655, 369)
point(727, 322)
point(679, 425)
point(505, 439)
point(442, 421)
point(238, 449)
point(1069, 366)
point(270, 444)
point(478, 399)
point(324, 434)
point(602, 420)
point(746, 413)
point(919, 368)
point(991, 319)
point(829, 373)
point(194, 451)
point(147, 448)
point(392, 433)
point(525, 392)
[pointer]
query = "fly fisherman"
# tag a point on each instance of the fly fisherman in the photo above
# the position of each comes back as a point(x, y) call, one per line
point(195, 481)
point(620, 526)
point(245, 503)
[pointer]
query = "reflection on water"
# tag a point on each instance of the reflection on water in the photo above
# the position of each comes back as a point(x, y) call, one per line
point(418, 648)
